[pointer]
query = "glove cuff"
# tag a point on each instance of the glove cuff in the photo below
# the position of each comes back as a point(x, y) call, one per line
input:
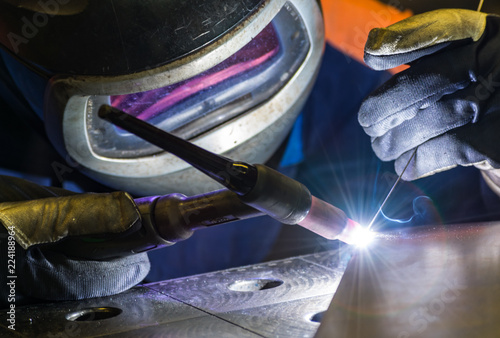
point(54, 276)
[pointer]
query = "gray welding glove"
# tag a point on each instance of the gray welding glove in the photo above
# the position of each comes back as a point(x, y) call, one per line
point(447, 103)
point(35, 216)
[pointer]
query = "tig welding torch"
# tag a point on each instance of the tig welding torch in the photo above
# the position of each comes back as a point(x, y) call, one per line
point(251, 191)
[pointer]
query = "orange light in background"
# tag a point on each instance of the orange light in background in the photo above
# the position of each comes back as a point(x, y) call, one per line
point(348, 22)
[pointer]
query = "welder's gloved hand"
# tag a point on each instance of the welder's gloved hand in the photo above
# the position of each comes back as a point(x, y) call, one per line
point(36, 215)
point(447, 104)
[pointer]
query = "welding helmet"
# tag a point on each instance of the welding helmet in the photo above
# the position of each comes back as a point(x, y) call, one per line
point(228, 75)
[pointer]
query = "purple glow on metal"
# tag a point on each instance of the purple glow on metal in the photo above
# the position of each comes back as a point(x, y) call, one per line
point(146, 105)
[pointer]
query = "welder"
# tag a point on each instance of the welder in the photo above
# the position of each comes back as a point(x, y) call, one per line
point(224, 74)
point(230, 75)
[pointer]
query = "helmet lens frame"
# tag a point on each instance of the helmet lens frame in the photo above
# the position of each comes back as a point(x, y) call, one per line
point(196, 105)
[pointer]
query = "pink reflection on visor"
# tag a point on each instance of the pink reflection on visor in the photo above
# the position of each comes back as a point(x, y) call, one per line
point(148, 104)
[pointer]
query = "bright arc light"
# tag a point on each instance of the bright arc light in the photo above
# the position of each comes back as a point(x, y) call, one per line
point(362, 237)
point(357, 235)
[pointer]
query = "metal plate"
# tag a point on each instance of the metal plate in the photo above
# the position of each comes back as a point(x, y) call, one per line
point(207, 326)
point(427, 282)
point(249, 301)
point(298, 318)
point(301, 279)
point(140, 306)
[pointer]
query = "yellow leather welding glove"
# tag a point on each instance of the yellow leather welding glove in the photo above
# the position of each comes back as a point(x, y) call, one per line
point(33, 214)
point(47, 215)
point(447, 103)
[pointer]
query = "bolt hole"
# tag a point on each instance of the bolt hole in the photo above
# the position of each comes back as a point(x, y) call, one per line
point(93, 314)
point(254, 285)
point(318, 317)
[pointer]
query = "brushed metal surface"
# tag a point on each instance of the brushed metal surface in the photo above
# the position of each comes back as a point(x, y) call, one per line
point(141, 308)
point(207, 305)
point(336, 259)
point(441, 281)
point(206, 326)
point(302, 278)
point(295, 318)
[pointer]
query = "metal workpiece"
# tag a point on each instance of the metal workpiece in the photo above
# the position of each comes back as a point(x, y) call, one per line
point(135, 308)
point(281, 298)
point(203, 326)
point(439, 281)
point(177, 216)
point(297, 318)
point(254, 286)
point(336, 258)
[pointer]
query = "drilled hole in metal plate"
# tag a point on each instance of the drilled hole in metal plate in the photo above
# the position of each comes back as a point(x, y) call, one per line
point(254, 284)
point(317, 317)
point(93, 314)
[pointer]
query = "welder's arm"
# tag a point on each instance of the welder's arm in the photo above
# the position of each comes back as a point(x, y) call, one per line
point(34, 216)
point(447, 104)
